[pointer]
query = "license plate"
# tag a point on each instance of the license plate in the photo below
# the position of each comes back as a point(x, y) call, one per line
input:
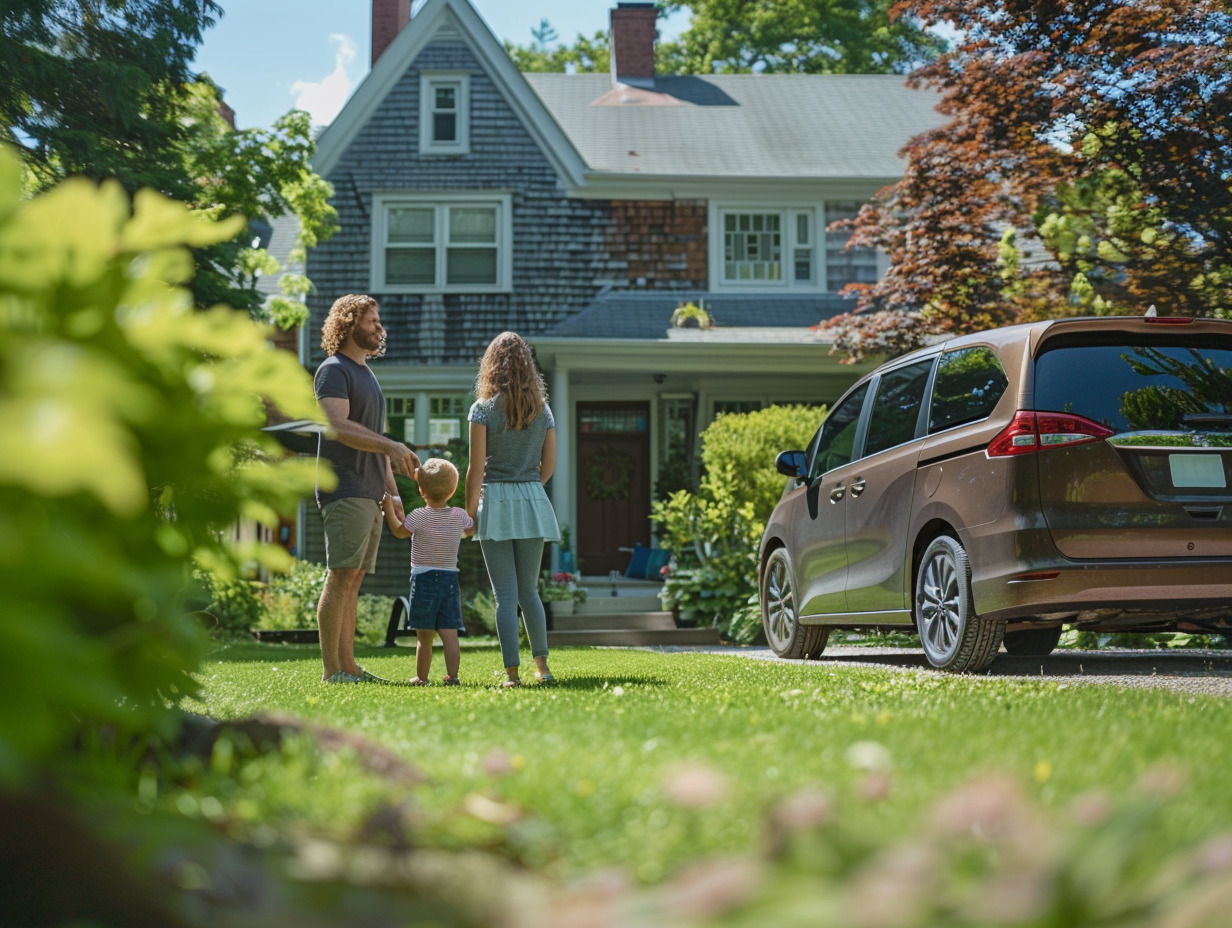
point(1197, 470)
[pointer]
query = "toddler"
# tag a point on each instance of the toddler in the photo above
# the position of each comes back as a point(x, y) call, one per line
point(436, 599)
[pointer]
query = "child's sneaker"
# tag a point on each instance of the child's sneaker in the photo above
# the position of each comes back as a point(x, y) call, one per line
point(451, 681)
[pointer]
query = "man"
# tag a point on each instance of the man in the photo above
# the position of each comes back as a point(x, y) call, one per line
point(364, 461)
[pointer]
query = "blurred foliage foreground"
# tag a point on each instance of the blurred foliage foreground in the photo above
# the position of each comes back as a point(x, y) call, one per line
point(131, 443)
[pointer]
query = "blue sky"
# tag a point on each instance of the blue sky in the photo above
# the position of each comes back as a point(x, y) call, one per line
point(272, 55)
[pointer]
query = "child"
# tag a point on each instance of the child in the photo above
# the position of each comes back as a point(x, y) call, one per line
point(436, 600)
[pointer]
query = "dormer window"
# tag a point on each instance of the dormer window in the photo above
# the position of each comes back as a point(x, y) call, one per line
point(444, 114)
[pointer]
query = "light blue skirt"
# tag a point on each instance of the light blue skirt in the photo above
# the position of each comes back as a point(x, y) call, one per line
point(515, 510)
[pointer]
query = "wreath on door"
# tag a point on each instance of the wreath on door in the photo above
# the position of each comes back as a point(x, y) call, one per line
point(609, 474)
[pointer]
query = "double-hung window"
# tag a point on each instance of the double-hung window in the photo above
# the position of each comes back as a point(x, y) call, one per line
point(444, 114)
point(461, 244)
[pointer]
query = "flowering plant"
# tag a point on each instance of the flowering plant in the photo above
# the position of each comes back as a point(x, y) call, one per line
point(559, 586)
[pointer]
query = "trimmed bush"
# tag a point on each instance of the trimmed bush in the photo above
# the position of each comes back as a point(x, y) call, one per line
point(714, 534)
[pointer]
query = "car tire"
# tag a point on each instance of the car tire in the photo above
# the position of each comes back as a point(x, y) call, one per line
point(780, 616)
point(1032, 642)
point(954, 638)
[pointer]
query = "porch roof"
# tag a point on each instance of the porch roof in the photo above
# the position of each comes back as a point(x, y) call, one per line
point(760, 318)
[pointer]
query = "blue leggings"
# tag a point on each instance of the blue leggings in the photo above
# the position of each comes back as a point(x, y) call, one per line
point(513, 568)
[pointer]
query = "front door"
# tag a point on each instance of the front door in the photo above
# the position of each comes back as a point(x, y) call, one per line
point(613, 483)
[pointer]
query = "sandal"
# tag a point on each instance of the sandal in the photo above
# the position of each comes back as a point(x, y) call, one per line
point(545, 676)
point(451, 681)
point(510, 683)
point(415, 681)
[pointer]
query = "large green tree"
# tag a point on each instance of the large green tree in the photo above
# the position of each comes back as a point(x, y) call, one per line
point(1087, 168)
point(796, 37)
point(104, 89)
point(771, 36)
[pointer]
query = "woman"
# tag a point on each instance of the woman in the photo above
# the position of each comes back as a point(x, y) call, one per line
point(512, 455)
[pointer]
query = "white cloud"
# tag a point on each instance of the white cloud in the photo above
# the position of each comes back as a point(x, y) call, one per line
point(324, 98)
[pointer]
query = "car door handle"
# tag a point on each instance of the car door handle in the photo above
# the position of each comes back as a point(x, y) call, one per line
point(836, 495)
point(857, 486)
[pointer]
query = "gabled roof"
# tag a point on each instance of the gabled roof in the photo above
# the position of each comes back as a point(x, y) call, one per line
point(734, 128)
point(789, 126)
point(455, 19)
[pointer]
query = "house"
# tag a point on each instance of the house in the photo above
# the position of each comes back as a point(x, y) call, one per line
point(581, 210)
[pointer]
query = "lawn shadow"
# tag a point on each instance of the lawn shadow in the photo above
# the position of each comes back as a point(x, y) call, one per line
point(1062, 664)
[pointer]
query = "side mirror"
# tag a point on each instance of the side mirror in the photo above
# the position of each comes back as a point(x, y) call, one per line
point(791, 464)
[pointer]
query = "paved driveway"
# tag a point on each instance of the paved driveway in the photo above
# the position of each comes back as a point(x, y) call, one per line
point(1191, 671)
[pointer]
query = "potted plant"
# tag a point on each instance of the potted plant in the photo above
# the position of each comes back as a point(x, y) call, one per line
point(560, 588)
point(566, 550)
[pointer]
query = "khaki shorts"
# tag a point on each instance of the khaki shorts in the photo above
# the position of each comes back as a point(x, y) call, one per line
point(352, 533)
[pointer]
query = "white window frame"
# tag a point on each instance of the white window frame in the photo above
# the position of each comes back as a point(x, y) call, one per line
point(428, 82)
point(787, 213)
point(441, 203)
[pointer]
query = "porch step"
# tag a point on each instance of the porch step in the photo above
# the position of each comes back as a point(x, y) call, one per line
point(591, 622)
point(599, 602)
point(634, 636)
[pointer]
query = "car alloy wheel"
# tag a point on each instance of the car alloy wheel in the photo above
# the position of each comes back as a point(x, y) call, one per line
point(952, 635)
point(779, 615)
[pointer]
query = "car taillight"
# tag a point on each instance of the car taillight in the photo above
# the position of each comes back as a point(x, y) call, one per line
point(1038, 431)
point(1168, 320)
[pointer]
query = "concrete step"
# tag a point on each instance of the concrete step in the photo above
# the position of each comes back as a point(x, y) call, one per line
point(635, 636)
point(584, 621)
point(604, 604)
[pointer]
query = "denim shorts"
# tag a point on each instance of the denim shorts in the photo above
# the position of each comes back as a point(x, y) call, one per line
point(436, 600)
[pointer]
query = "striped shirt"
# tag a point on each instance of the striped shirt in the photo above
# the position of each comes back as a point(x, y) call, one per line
point(435, 534)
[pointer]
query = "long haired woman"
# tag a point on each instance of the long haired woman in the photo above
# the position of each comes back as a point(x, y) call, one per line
point(512, 455)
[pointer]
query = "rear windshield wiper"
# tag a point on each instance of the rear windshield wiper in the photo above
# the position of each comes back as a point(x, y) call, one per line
point(1207, 418)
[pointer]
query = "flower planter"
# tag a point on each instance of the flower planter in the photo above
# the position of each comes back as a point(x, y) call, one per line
point(562, 607)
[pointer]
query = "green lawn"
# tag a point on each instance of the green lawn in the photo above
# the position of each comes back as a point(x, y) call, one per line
point(646, 761)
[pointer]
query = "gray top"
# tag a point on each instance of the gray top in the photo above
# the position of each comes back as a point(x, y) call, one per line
point(360, 473)
point(513, 454)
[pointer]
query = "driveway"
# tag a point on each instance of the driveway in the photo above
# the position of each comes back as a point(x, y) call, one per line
point(1191, 671)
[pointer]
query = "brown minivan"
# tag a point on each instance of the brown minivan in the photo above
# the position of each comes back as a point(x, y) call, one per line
point(998, 485)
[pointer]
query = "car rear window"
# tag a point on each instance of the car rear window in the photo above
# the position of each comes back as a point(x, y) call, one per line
point(1137, 384)
point(968, 384)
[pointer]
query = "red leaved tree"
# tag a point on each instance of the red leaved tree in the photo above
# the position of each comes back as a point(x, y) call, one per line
point(1086, 169)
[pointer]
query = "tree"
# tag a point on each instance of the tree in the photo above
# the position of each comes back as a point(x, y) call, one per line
point(796, 37)
point(104, 90)
point(774, 36)
point(1085, 170)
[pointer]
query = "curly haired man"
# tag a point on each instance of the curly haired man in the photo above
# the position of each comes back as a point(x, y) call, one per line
point(364, 461)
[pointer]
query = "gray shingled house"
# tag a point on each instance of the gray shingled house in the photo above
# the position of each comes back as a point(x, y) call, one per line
point(580, 210)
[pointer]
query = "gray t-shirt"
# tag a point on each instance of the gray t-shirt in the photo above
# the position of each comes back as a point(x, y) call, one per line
point(360, 473)
point(513, 454)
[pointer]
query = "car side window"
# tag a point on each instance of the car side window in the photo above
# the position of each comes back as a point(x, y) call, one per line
point(968, 385)
point(896, 411)
point(837, 438)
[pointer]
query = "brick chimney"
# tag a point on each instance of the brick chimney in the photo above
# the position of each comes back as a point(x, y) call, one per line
point(388, 18)
point(633, 43)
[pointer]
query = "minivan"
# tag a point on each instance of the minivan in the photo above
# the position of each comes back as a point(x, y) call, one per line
point(992, 488)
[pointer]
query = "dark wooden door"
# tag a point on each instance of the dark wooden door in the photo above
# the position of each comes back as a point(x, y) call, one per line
point(613, 483)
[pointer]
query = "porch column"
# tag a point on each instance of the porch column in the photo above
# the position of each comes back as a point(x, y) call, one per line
point(562, 479)
point(423, 417)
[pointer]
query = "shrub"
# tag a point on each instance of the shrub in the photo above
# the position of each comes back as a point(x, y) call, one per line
point(479, 614)
point(740, 448)
point(714, 534)
point(132, 430)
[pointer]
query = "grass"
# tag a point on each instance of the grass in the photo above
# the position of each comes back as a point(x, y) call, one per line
point(646, 761)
